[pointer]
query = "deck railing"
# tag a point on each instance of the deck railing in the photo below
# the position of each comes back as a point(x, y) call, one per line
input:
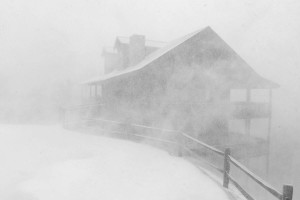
point(244, 110)
point(179, 140)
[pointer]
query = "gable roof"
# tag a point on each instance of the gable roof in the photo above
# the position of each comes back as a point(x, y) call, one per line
point(255, 80)
point(150, 58)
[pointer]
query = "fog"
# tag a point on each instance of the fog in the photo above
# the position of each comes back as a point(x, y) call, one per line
point(48, 47)
point(47, 43)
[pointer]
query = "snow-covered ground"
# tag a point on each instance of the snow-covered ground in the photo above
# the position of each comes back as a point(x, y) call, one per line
point(50, 163)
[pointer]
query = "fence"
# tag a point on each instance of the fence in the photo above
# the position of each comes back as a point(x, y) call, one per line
point(180, 139)
point(287, 190)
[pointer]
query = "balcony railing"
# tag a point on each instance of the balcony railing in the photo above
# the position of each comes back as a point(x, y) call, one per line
point(246, 110)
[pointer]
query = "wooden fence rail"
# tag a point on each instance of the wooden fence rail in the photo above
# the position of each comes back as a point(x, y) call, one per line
point(287, 190)
point(240, 188)
point(203, 144)
point(257, 179)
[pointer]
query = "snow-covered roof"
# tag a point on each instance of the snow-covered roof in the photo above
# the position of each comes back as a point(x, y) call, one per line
point(255, 80)
point(149, 59)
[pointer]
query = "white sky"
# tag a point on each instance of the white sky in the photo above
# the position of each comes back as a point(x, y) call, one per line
point(45, 40)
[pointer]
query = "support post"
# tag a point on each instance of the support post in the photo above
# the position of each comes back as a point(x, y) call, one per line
point(128, 131)
point(226, 168)
point(96, 92)
point(270, 115)
point(287, 192)
point(248, 119)
point(269, 133)
point(90, 87)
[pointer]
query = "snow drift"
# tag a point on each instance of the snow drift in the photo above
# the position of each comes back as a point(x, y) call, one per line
point(46, 162)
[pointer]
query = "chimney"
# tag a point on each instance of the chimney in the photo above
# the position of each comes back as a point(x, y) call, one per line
point(137, 49)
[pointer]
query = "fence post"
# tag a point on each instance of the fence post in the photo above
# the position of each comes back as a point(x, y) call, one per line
point(127, 130)
point(287, 192)
point(226, 168)
point(180, 144)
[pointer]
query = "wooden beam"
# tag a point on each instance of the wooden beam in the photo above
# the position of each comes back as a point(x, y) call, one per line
point(287, 193)
point(226, 169)
point(256, 178)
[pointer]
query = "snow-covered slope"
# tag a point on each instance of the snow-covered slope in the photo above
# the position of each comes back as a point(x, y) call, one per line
point(49, 163)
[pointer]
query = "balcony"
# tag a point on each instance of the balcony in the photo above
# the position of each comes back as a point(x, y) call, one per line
point(248, 110)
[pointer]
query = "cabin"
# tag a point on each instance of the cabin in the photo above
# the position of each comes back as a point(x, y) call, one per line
point(197, 84)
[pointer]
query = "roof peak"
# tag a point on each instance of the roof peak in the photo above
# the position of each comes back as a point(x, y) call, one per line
point(148, 43)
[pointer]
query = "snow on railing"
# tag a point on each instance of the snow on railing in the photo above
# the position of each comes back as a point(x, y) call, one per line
point(179, 140)
point(287, 190)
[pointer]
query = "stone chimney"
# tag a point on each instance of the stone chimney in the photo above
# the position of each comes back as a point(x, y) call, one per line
point(137, 49)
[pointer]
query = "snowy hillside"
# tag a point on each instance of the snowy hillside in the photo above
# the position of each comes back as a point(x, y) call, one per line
point(47, 163)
